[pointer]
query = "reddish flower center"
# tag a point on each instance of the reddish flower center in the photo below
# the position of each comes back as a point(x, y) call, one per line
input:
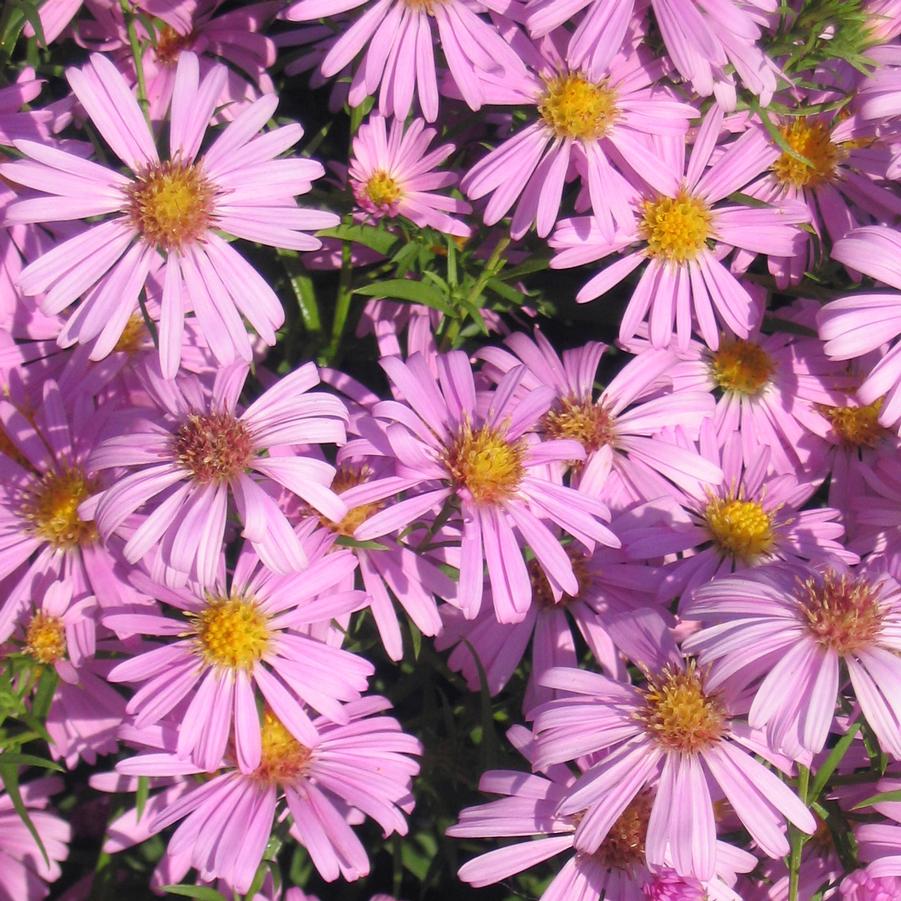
point(742, 367)
point(678, 714)
point(169, 45)
point(171, 204)
point(486, 464)
point(213, 447)
point(739, 528)
point(583, 421)
point(812, 140)
point(282, 757)
point(231, 633)
point(842, 613)
point(574, 107)
point(45, 638)
point(51, 506)
point(676, 229)
point(857, 426)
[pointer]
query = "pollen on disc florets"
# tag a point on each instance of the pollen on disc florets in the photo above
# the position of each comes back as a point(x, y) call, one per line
point(740, 528)
point(678, 714)
point(541, 587)
point(574, 107)
point(813, 141)
point(842, 612)
point(133, 336)
point(676, 229)
point(45, 638)
point(282, 757)
point(169, 45)
point(588, 423)
point(51, 506)
point(857, 426)
point(623, 847)
point(231, 633)
point(171, 204)
point(485, 463)
point(349, 476)
point(383, 190)
point(213, 447)
point(741, 367)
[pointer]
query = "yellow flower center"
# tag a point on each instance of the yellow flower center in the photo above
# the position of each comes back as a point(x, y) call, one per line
point(811, 140)
point(678, 714)
point(382, 189)
point(51, 506)
point(623, 846)
point(574, 107)
point(841, 612)
point(740, 529)
point(45, 638)
point(677, 228)
point(857, 426)
point(581, 420)
point(484, 463)
point(213, 447)
point(133, 336)
point(349, 477)
point(231, 633)
point(171, 205)
point(282, 757)
point(742, 367)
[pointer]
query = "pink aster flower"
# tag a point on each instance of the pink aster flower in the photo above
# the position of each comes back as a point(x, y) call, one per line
point(859, 324)
point(237, 639)
point(791, 628)
point(392, 174)
point(196, 449)
point(172, 208)
point(862, 885)
point(477, 455)
point(683, 231)
point(626, 457)
point(24, 873)
point(587, 123)
point(671, 729)
point(399, 58)
point(364, 766)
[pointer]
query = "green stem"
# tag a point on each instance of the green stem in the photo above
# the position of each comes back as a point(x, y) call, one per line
point(798, 838)
point(137, 53)
point(342, 303)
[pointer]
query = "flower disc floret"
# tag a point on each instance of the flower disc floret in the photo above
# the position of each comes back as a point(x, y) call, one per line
point(45, 638)
point(231, 633)
point(842, 613)
point(171, 205)
point(811, 140)
point(213, 447)
point(581, 420)
point(676, 229)
point(542, 593)
point(383, 189)
point(742, 367)
point(169, 45)
point(574, 107)
point(678, 714)
point(51, 506)
point(282, 757)
point(486, 464)
point(623, 846)
point(857, 426)
point(740, 528)
point(346, 477)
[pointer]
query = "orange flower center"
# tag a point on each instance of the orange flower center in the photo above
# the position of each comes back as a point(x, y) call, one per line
point(45, 638)
point(51, 506)
point(486, 464)
point(583, 421)
point(742, 367)
point(282, 757)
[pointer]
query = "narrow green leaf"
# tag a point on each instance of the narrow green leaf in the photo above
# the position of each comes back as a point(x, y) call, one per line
point(880, 798)
point(347, 541)
point(141, 795)
point(202, 892)
point(12, 758)
point(377, 239)
point(43, 696)
point(832, 761)
point(9, 775)
point(407, 289)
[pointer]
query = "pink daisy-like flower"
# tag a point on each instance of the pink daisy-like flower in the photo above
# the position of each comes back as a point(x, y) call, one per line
point(236, 640)
point(791, 628)
point(399, 57)
point(859, 324)
point(753, 516)
point(583, 122)
point(365, 765)
point(617, 869)
point(626, 458)
point(196, 449)
point(24, 871)
point(684, 231)
point(174, 208)
point(670, 729)
point(476, 454)
point(392, 174)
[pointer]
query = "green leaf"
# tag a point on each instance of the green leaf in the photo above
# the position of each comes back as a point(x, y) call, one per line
point(535, 264)
point(9, 775)
point(347, 541)
point(408, 289)
point(30, 11)
point(832, 761)
point(880, 798)
point(12, 758)
point(377, 239)
point(43, 696)
point(489, 748)
point(142, 794)
point(202, 892)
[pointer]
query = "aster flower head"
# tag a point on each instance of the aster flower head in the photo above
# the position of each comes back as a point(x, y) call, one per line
point(683, 229)
point(792, 628)
point(170, 208)
point(476, 454)
point(234, 641)
point(392, 173)
point(196, 449)
point(672, 729)
point(364, 766)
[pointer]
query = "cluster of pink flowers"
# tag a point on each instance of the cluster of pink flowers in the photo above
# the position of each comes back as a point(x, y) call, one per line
point(658, 534)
